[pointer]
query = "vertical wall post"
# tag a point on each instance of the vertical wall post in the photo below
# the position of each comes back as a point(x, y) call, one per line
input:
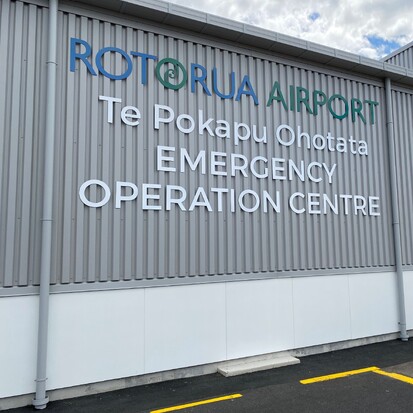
point(40, 401)
point(395, 210)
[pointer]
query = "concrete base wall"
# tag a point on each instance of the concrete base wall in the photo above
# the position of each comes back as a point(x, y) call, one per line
point(102, 337)
point(118, 384)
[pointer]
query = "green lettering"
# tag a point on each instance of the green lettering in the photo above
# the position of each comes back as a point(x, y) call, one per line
point(277, 95)
point(292, 98)
point(357, 109)
point(317, 102)
point(171, 73)
point(372, 104)
point(303, 99)
point(332, 111)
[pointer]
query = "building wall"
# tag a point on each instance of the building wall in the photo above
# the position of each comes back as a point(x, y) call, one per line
point(403, 123)
point(403, 58)
point(223, 285)
point(149, 246)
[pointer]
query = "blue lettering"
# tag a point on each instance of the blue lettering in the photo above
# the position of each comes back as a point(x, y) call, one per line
point(82, 56)
point(200, 79)
point(145, 57)
point(215, 88)
point(129, 63)
point(249, 91)
point(82, 51)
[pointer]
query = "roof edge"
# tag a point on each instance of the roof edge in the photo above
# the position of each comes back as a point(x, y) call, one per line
point(396, 52)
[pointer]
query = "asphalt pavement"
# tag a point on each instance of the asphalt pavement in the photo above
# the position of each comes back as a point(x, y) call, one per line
point(374, 378)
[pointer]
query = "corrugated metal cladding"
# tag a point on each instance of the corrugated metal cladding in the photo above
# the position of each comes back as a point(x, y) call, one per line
point(110, 244)
point(403, 127)
point(404, 58)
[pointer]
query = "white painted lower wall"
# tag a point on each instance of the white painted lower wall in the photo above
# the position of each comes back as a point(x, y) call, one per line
point(97, 336)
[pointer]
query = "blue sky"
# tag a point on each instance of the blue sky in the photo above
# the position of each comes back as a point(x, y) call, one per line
point(386, 46)
point(372, 28)
point(314, 16)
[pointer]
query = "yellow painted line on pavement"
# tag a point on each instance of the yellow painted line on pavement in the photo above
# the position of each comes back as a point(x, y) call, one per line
point(396, 376)
point(186, 406)
point(338, 375)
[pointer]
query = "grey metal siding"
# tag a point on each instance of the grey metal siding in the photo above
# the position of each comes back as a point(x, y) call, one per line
point(404, 58)
point(403, 126)
point(22, 47)
point(109, 244)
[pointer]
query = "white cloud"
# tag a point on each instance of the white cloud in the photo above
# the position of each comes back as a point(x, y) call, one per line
point(340, 24)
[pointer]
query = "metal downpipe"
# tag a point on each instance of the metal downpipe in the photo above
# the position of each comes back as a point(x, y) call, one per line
point(40, 401)
point(395, 211)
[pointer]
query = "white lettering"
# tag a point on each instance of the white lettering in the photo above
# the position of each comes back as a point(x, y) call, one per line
point(111, 102)
point(92, 204)
point(122, 198)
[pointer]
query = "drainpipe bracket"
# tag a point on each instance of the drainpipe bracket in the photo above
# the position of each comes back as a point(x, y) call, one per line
point(40, 404)
point(404, 337)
